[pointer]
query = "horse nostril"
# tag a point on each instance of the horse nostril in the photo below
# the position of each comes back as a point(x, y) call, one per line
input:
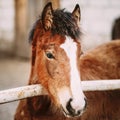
point(78, 112)
point(69, 107)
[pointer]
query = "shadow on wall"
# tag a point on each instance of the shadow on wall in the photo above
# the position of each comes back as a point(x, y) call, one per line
point(116, 29)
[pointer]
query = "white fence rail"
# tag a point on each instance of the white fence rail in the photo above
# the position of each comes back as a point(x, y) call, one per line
point(36, 90)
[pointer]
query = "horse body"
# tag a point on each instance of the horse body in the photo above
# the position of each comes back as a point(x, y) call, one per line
point(102, 63)
point(57, 64)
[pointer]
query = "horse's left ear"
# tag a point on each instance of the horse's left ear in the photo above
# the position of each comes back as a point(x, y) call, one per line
point(76, 13)
point(47, 16)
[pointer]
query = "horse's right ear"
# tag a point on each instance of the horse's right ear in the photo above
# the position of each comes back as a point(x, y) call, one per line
point(47, 16)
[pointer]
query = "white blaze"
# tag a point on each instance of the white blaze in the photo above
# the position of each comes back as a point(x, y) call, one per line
point(70, 47)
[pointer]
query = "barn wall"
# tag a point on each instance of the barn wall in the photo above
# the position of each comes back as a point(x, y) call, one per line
point(97, 18)
point(7, 14)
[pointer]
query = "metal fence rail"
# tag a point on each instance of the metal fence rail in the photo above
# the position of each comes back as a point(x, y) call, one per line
point(36, 90)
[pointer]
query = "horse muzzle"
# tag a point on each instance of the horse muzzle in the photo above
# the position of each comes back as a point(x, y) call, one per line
point(72, 111)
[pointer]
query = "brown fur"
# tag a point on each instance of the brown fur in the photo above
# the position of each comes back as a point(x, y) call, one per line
point(100, 63)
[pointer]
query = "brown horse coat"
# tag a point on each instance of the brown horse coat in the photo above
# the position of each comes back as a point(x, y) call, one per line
point(100, 63)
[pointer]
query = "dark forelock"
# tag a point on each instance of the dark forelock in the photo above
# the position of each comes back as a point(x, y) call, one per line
point(63, 24)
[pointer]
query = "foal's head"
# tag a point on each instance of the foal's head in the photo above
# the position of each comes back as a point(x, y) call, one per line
point(55, 58)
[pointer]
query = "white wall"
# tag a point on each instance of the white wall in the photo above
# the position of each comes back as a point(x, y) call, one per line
point(97, 17)
point(7, 14)
point(6, 19)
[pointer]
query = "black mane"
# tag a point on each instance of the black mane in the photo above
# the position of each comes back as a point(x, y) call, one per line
point(63, 23)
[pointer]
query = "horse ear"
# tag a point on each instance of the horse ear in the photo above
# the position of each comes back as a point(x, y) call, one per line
point(76, 13)
point(47, 16)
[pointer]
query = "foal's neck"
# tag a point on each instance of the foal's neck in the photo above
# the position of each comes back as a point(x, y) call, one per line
point(39, 105)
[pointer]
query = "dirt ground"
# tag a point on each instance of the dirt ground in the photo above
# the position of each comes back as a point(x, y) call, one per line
point(14, 72)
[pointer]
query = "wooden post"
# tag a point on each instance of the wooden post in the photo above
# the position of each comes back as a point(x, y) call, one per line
point(55, 3)
point(21, 31)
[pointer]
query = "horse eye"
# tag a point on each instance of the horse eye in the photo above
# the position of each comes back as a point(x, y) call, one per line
point(50, 55)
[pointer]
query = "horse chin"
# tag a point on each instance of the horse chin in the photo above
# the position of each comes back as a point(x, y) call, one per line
point(69, 115)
